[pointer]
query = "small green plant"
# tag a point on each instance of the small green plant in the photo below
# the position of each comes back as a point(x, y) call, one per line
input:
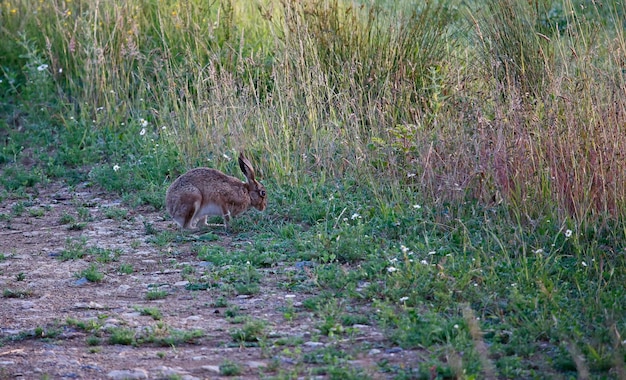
point(251, 331)
point(36, 212)
point(104, 255)
point(20, 276)
point(125, 269)
point(67, 219)
point(84, 214)
point(151, 312)
point(74, 249)
point(220, 302)
point(92, 274)
point(156, 295)
point(230, 368)
point(17, 293)
point(89, 325)
point(122, 336)
point(93, 340)
point(116, 213)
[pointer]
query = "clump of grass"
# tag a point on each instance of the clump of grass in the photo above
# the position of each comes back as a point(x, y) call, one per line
point(74, 249)
point(17, 293)
point(91, 274)
point(156, 295)
point(230, 368)
point(251, 332)
point(151, 312)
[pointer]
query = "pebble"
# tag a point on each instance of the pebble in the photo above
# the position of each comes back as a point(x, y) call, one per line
point(123, 289)
point(374, 351)
point(211, 368)
point(304, 264)
point(393, 350)
point(26, 304)
point(181, 283)
point(313, 344)
point(128, 374)
point(254, 364)
point(81, 281)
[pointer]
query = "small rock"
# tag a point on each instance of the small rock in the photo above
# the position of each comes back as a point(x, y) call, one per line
point(91, 306)
point(123, 288)
point(6, 362)
point(128, 374)
point(211, 368)
point(169, 371)
point(255, 365)
point(181, 283)
point(313, 344)
point(362, 327)
point(301, 265)
point(26, 305)
point(81, 281)
point(393, 350)
point(374, 351)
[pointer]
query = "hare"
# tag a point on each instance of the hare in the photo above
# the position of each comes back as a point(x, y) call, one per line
point(203, 191)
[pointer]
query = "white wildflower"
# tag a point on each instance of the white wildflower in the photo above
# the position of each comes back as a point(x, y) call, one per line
point(424, 262)
point(568, 233)
point(116, 167)
point(42, 67)
point(393, 260)
point(539, 251)
point(432, 253)
point(355, 216)
point(143, 122)
point(583, 263)
point(392, 269)
point(456, 326)
point(417, 207)
point(142, 132)
point(403, 299)
point(404, 249)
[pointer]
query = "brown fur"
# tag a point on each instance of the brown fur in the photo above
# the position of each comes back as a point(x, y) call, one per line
point(202, 192)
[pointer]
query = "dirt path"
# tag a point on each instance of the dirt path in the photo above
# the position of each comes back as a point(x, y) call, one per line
point(73, 319)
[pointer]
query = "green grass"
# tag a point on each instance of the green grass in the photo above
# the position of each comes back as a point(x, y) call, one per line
point(453, 171)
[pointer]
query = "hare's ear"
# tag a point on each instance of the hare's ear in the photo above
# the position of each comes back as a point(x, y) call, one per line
point(246, 168)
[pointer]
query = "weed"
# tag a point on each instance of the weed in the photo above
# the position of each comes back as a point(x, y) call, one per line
point(74, 249)
point(156, 295)
point(125, 269)
point(220, 302)
point(116, 213)
point(230, 368)
point(92, 341)
point(17, 293)
point(151, 312)
point(92, 274)
point(122, 336)
point(251, 331)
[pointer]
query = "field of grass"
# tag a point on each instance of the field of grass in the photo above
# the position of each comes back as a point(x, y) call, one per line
point(455, 167)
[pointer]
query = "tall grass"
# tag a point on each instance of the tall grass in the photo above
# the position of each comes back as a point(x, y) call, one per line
point(389, 94)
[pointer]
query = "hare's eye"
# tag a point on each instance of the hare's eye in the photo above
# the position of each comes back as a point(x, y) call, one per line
point(262, 193)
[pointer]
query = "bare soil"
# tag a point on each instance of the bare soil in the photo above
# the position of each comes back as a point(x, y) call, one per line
point(52, 292)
